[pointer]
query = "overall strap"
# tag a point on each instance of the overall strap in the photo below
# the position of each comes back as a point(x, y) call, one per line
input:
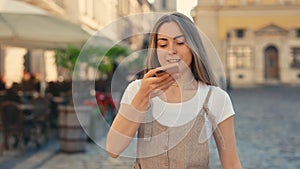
point(148, 126)
point(212, 119)
point(205, 104)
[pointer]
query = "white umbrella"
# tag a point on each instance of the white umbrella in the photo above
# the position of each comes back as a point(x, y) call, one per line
point(22, 24)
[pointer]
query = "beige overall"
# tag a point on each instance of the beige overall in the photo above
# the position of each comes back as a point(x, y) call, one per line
point(161, 147)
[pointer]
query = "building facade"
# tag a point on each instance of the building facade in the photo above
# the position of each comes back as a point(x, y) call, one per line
point(164, 5)
point(258, 40)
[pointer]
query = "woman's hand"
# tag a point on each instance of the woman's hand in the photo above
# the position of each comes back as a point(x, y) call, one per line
point(151, 86)
point(123, 129)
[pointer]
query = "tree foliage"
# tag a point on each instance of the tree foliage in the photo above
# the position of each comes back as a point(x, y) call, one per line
point(100, 58)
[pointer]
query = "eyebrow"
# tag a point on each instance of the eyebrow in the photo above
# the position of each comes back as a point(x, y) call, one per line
point(175, 37)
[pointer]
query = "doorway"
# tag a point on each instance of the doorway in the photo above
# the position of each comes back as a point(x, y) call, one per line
point(271, 63)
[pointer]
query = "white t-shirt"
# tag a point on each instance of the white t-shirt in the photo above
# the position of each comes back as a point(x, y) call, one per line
point(177, 114)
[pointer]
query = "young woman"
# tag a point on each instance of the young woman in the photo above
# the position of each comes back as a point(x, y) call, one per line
point(175, 114)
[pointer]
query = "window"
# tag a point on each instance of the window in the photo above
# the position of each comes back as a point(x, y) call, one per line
point(164, 4)
point(298, 33)
point(295, 53)
point(240, 57)
point(239, 33)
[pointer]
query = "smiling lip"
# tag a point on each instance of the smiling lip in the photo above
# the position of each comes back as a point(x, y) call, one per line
point(173, 60)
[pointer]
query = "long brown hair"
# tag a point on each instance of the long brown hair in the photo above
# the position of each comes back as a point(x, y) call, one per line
point(199, 66)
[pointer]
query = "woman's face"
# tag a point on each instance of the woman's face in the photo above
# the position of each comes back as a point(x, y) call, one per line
point(172, 46)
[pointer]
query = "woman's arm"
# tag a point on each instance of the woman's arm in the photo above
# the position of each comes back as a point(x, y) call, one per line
point(124, 127)
point(228, 151)
point(126, 124)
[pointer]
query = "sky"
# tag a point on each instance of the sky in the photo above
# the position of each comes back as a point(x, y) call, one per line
point(185, 6)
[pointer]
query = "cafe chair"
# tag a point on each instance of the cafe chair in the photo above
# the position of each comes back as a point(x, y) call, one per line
point(41, 123)
point(12, 124)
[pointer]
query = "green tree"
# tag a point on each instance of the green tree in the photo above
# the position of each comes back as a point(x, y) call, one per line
point(100, 58)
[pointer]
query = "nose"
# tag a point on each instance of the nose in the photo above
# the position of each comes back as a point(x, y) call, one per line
point(172, 48)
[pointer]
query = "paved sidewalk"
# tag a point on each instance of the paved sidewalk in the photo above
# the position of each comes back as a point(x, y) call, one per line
point(268, 126)
point(267, 130)
point(50, 157)
point(93, 158)
point(31, 158)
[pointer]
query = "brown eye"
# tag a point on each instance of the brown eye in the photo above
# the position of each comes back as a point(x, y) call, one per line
point(180, 42)
point(162, 43)
point(162, 46)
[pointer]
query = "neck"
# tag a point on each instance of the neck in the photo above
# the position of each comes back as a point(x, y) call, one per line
point(186, 78)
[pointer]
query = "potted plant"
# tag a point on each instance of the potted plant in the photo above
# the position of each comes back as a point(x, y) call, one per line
point(72, 135)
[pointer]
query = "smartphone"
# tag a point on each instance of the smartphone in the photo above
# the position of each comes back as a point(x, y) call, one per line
point(169, 68)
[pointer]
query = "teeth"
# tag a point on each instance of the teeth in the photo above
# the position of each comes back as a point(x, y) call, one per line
point(173, 60)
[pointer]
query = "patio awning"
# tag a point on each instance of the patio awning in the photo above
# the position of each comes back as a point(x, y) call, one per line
point(24, 25)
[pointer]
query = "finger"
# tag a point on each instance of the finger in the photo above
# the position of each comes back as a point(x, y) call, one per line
point(152, 83)
point(158, 80)
point(162, 87)
point(151, 73)
point(165, 84)
point(156, 73)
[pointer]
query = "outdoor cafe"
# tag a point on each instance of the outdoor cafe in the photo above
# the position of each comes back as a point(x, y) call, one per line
point(33, 87)
point(27, 118)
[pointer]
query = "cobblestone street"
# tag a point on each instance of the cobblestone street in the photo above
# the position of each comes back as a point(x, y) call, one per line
point(267, 129)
